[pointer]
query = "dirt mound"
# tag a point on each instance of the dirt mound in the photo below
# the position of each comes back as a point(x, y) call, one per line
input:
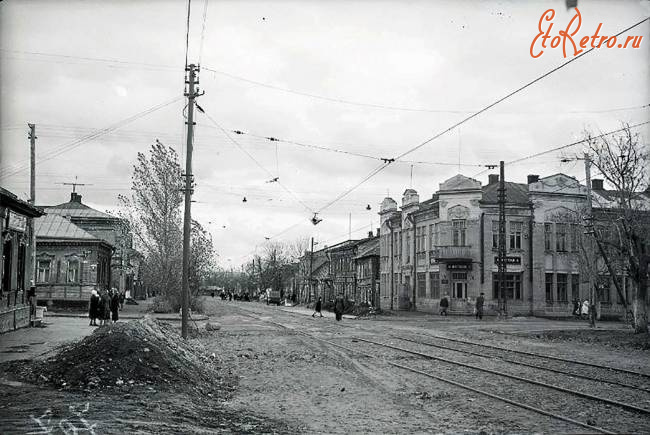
point(140, 353)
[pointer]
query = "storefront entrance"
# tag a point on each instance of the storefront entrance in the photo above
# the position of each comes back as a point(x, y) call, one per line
point(459, 285)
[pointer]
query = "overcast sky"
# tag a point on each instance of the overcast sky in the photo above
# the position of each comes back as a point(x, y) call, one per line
point(391, 74)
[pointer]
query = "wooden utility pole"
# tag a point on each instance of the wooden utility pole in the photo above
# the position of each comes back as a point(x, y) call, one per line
point(32, 200)
point(590, 243)
point(501, 266)
point(187, 221)
point(311, 270)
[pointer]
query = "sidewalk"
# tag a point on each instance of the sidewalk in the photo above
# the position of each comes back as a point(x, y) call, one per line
point(130, 312)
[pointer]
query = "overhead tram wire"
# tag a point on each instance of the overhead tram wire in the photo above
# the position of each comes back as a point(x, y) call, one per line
point(382, 167)
point(63, 148)
point(468, 118)
point(572, 144)
point(238, 145)
point(352, 153)
point(516, 91)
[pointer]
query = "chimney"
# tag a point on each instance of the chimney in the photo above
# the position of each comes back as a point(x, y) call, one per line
point(370, 234)
point(75, 197)
point(493, 179)
point(597, 184)
point(533, 178)
point(377, 232)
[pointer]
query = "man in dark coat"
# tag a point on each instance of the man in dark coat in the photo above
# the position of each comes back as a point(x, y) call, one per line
point(115, 305)
point(479, 306)
point(319, 307)
point(339, 306)
point(93, 309)
point(444, 305)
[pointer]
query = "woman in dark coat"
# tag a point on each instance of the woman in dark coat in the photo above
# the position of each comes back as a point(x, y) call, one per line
point(101, 304)
point(94, 308)
point(115, 306)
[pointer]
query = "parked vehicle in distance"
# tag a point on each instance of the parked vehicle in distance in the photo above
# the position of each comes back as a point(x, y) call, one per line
point(273, 297)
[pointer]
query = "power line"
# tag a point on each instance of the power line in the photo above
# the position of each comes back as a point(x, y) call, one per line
point(205, 14)
point(488, 107)
point(63, 148)
point(516, 91)
point(387, 163)
point(572, 144)
point(389, 107)
point(225, 132)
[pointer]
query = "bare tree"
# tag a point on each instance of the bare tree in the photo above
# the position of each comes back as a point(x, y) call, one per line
point(623, 162)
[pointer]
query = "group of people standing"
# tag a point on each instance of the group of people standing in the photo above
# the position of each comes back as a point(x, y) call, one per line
point(478, 307)
point(104, 306)
point(339, 307)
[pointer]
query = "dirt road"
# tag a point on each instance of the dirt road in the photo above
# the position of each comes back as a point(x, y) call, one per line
point(296, 374)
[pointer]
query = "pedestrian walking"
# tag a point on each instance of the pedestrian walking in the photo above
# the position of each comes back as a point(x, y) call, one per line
point(339, 306)
point(479, 306)
point(444, 305)
point(122, 298)
point(93, 308)
point(115, 306)
point(318, 308)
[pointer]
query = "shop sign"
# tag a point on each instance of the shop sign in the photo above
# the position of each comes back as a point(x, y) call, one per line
point(509, 260)
point(459, 266)
point(17, 222)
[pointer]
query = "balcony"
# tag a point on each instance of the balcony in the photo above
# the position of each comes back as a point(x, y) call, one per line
point(444, 254)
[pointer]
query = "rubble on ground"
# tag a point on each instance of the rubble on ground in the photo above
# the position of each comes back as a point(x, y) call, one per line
point(141, 353)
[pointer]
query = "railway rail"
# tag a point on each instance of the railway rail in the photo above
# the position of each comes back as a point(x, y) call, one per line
point(629, 410)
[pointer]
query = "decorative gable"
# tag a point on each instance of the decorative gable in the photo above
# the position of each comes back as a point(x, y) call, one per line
point(460, 182)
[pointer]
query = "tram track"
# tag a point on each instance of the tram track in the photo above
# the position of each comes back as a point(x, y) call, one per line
point(626, 412)
point(569, 372)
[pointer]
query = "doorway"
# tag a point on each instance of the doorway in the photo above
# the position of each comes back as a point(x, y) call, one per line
point(459, 285)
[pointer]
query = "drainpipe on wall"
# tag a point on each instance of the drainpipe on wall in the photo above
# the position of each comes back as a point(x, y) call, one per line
point(414, 275)
point(531, 227)
point(392, 294)
point(482, 250)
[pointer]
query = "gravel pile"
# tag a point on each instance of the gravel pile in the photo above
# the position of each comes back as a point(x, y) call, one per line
point(138, 354)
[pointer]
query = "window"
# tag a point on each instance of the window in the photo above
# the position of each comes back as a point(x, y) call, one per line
point(43, 270)
point(515, 235)
point(73, 271)
point(562, 287)
point(434, 282)
point(604, 284)
point(548, 234)
point(560, 237)
point(458, 227)
point(422, 284)
point(513, 286)
point(435, 235)
point(549, 287)
point(576, 236)
point(495, 234)
point(575, 286)
point(407, 254)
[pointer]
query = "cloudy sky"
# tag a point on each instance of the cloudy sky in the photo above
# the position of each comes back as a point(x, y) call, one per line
point(375, 78)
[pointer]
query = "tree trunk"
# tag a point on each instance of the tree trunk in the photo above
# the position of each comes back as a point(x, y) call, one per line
point(640, 304)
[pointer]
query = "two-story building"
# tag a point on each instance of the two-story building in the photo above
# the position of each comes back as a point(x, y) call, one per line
point(447, 245)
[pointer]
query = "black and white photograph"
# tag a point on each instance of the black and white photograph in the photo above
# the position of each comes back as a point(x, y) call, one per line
point(324, 217)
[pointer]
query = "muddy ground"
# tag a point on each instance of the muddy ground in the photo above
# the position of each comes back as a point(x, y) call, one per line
point(281, 381)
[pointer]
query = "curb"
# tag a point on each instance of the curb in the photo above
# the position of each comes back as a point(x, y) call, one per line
point(129, 317)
